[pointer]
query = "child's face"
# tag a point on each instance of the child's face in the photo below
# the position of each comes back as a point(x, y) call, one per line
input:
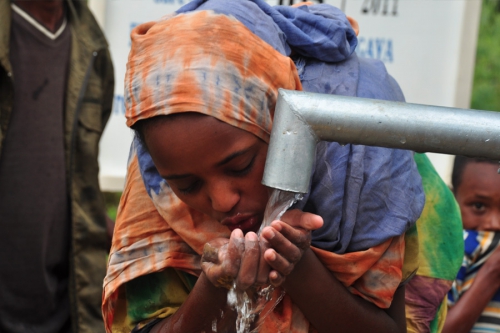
point(213, 167)
point(479, 197)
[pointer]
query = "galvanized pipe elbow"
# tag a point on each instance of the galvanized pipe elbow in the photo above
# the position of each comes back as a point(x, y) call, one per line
point(292, 148)
point(302, 119)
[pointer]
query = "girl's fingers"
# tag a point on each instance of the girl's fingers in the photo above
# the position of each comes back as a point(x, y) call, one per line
point(297, 236)
point(278, 262)
point(300, 219)
point(250, 262)
point(231, 259)
point(221, 259)
point(215, 275)
point(264, 268)
point(210, 253)
point(211, 259)
point(239, 259)
point(276, 279)
point(281, 244)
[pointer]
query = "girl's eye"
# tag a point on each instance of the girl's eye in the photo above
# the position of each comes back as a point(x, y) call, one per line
point(189, 189)
point(245, 170)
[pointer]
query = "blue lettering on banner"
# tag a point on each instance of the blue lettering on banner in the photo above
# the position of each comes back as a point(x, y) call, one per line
point(376, 48)
point(119, 105)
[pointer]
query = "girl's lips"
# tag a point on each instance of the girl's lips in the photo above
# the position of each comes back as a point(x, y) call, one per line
point(244, 222)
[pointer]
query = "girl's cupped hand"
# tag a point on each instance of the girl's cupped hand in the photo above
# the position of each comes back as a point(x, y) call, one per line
point(237, 259)
point(286, 240)
point(248, 261)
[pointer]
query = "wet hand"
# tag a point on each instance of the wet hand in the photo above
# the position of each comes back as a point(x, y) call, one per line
point(287, 240)
point(236, 259)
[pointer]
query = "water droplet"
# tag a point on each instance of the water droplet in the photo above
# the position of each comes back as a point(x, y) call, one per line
point(339, 128)
point(486, 140)
point(403, 140)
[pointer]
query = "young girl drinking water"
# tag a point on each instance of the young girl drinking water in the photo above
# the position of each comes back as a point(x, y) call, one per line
point(201, 87)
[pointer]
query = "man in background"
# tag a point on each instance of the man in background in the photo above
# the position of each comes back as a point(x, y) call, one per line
point(56, 90)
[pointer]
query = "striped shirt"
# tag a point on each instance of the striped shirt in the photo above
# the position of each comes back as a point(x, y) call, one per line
point(479, 245)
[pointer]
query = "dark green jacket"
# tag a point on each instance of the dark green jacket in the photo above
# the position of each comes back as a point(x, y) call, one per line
point(89, 98)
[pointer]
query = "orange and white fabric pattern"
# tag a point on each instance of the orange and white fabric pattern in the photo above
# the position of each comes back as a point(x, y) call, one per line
point(207, 63)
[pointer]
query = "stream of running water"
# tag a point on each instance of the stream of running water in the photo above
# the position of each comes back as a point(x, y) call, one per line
point(248, 308)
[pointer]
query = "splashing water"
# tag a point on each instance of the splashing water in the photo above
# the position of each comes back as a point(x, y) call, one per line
point(278, 204)
point(246, 307)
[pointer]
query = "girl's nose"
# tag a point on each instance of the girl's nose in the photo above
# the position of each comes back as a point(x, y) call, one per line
point(223, 196)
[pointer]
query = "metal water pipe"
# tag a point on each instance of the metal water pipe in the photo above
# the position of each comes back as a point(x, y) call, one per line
point(303, 119)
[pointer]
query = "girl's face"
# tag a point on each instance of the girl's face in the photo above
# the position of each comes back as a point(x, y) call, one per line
point(479, 197)
point(211, 166)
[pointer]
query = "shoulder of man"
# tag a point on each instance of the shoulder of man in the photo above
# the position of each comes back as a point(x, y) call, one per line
point(83, 21)
point(5, 18)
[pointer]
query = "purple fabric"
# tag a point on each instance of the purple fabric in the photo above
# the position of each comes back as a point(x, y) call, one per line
point(423, 297)
point(366, 195)
point(321, 32)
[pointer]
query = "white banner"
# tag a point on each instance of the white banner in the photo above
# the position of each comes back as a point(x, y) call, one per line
point(427, 45)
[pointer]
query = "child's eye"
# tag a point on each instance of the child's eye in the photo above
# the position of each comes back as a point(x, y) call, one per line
point(245, 170)
point(478, 206)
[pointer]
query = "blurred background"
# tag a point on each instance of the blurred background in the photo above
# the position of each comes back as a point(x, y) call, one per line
point(441, 52)
point(486, 84)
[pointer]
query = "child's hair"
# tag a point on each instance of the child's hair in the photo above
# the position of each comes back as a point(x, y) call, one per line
point(459, 166)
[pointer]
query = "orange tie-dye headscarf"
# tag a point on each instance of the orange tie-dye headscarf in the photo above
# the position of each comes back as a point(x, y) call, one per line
point(208, 63)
